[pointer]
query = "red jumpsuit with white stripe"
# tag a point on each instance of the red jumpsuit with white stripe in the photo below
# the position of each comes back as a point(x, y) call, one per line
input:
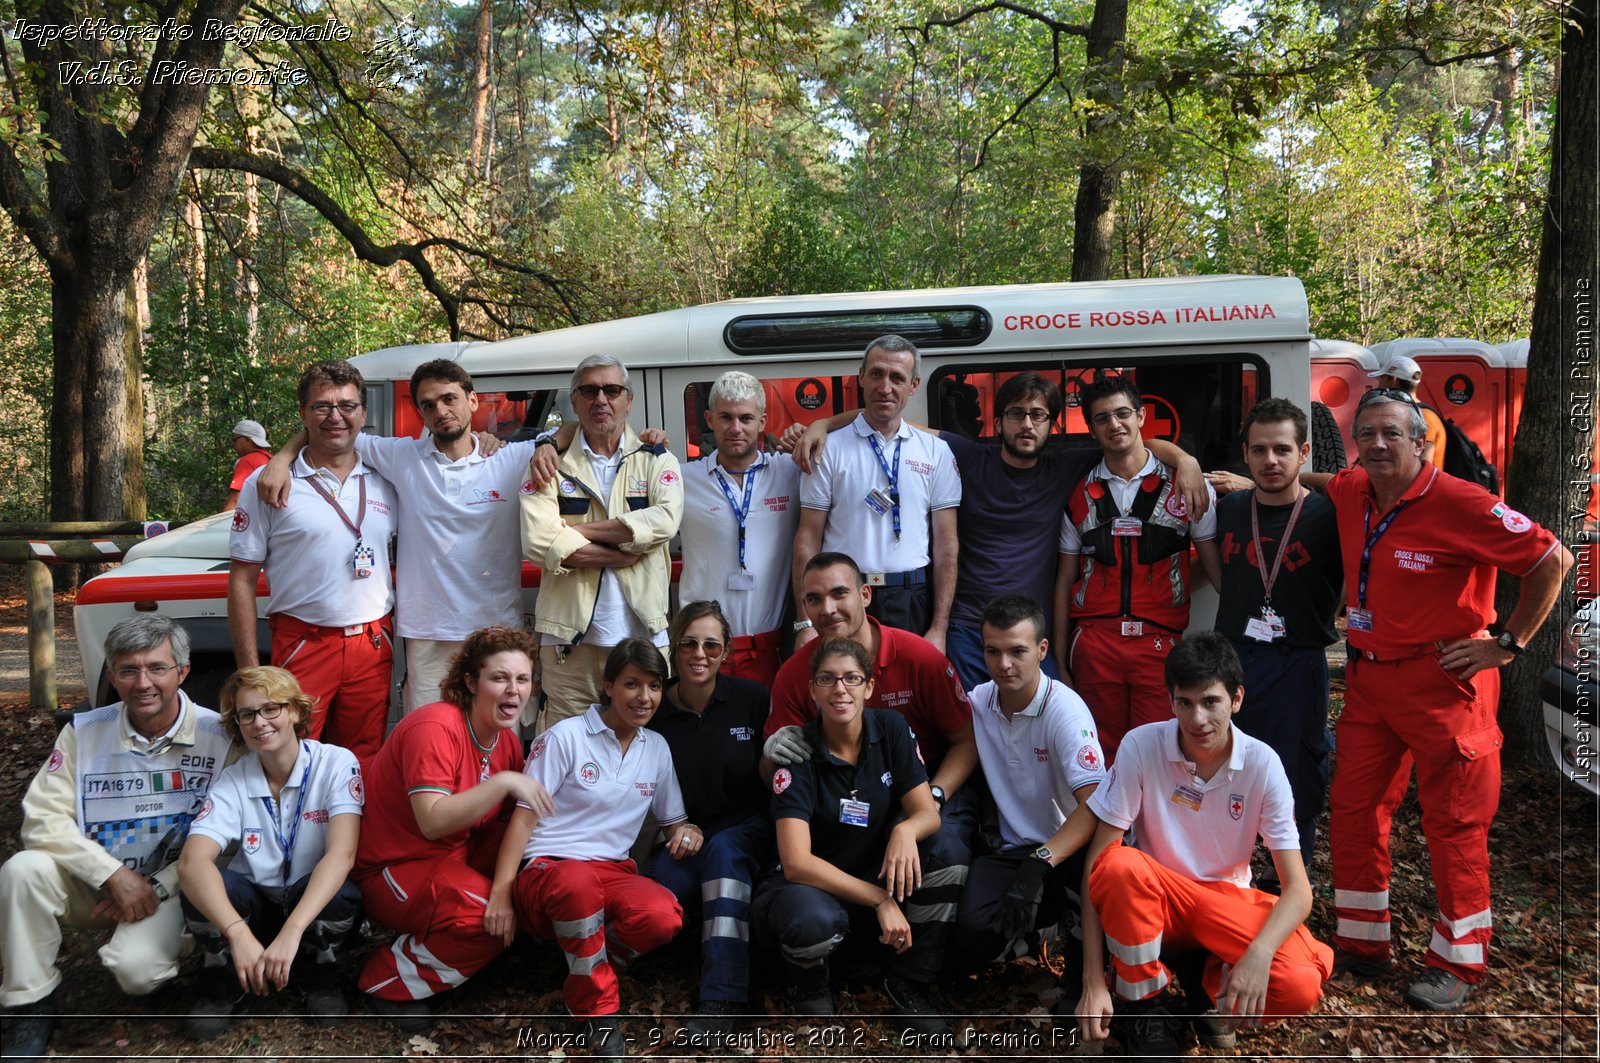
point(434, 891)
point(1430, 582)
point(577, 884)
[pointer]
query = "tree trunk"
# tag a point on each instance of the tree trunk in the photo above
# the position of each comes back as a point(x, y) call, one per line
point(133, 487)
point(88, 420)
point(1555, 440)
point(480, 89)
point(1094, 213)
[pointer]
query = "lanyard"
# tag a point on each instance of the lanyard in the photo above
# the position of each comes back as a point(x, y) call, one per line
point(1373, 535)
point(361, 517)
point(1267, 580)
point(740, 513)
point(287, 844)
point(894, 477)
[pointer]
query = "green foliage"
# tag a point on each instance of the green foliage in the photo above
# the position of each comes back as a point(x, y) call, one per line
point(25, 384)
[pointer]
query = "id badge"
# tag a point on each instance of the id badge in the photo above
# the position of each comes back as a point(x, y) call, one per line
point(1127, 526)
point(853, 813)
point(1359, 619)
point(878, 502)
point(363, 562)
point(1259, 629)
point(1188, 797)
point(741, 581)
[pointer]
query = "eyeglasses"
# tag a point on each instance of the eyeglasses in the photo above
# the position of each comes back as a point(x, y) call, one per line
point(267, 710)
point(827, 680)
point(711, 647)
point(1386, 395)
point(324, 410)
point(611, 391)
point(1121, 413)
point(1016, 415)
point(155, 671)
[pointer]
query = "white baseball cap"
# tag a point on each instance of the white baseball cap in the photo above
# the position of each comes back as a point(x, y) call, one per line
point(1401, 368)
point(252, 431)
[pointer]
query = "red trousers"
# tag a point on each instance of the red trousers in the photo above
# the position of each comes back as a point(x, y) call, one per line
point(438, 905)
point(1145, 908)
point(1120, 677)
point(603, 914)
point(347, 675)
point(1396, 714)
point(754, 657)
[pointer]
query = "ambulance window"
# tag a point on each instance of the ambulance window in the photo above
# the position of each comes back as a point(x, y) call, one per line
point(1198, 403)
point(790, 400)
point(830, 330)
point(510, 415)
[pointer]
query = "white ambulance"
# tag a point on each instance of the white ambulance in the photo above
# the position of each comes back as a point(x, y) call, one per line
point(1201, 349)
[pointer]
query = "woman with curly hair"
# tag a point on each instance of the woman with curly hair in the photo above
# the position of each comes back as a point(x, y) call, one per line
point(439, 794)
point(285, 904)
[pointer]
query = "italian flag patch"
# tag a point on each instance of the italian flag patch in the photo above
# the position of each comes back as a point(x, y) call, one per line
point(166, 781)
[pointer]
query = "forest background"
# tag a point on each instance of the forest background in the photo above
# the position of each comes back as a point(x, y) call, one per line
point(558, 162)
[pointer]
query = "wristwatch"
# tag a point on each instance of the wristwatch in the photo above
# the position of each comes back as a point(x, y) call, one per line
point(1508, 642)
point(938, 794)
point(1043, 853)
point(801, 625)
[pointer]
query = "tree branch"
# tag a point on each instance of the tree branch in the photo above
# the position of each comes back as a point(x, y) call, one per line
point(1075, 29)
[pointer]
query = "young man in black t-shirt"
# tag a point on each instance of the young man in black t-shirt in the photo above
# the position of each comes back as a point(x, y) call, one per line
point(1280, 589)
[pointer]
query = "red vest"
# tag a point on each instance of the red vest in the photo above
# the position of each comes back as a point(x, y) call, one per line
point(1141, 577)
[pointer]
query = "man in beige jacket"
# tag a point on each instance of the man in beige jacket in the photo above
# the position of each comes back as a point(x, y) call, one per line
point(600, 532)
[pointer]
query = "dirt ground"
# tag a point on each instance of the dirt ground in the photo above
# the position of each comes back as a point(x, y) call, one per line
point(1540, 1001)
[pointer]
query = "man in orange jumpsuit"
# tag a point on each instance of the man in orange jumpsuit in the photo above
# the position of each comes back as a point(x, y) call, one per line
point(1420, 550)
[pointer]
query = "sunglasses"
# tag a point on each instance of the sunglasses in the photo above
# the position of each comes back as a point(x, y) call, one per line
point(590, 391)
point(711, 647)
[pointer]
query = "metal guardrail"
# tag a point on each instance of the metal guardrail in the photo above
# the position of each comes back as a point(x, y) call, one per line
point(36, 545)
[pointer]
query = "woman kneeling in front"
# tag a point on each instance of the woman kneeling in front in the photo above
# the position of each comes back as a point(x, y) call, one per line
point(852, 824)
point(576, 883)
point(293, 806)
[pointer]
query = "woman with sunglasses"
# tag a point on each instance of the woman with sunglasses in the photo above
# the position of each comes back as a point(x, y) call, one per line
point(713, 723)
point(567, 875)
point(441, 790)
point(853, 824)
point(284, 904)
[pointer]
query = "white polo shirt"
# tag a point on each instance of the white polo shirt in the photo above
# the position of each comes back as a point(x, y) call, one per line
point(600, 795)
point(1152, 788)
point(1123, 492)
point(1035, 761)
point(308, 551)
point(459, 563)
point(710, 532)
point(849, 472)
point(324, 782)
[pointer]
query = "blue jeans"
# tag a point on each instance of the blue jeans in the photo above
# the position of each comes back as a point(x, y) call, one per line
point(717, 882)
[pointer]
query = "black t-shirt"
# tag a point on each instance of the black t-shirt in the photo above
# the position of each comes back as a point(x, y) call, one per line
point(1009, 522)
point(886, 770)
point(1310, 584)
point(717, 755)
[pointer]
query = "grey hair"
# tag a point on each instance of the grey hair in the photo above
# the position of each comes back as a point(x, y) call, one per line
point(1416, 426)
point(895, 345)
point(599, 361)
point(146, 633)
point(734, 386)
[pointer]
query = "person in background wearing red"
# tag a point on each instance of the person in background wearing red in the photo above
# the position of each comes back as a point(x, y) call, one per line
point(250, 443)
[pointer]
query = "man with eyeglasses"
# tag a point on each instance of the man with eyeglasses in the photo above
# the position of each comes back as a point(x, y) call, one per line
point(741, 508)
point(326, 557)
point(1421, 550)
point(103, 823)
point(887, 493)
point(1123, 584)
point(1012, 497)
point(457, 518)
point(599, 530)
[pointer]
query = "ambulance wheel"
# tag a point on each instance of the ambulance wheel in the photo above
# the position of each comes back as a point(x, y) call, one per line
point(1327, 441)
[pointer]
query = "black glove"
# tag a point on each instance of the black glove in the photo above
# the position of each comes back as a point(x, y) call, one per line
point(1020, 904)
